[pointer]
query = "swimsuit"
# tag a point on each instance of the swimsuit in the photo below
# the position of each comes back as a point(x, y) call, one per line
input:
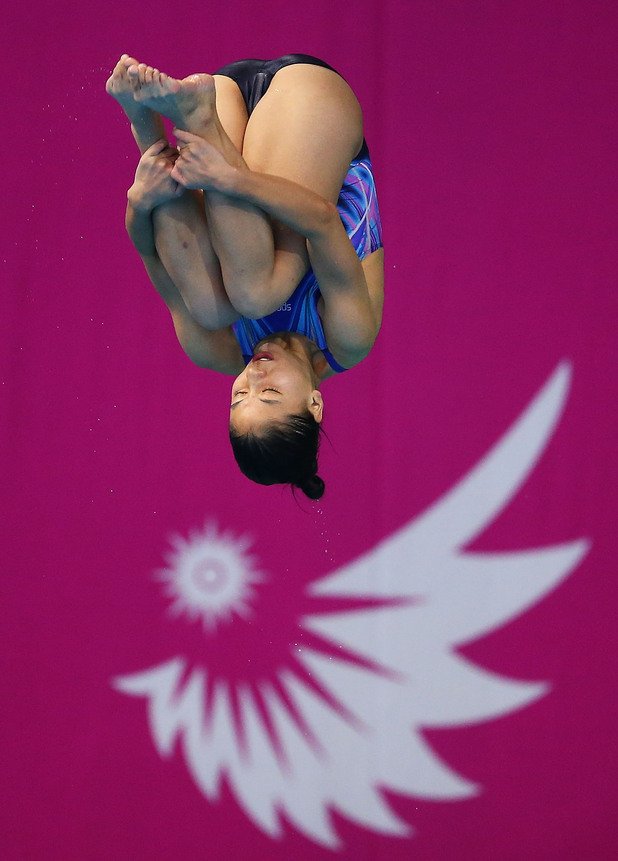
point(358, 209)
point(254, 76)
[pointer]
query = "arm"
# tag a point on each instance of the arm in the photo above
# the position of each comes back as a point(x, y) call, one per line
point(201, 166)
point(351, 320)
point(138, 221)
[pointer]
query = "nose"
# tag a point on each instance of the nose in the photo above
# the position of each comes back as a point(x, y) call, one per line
point(256, 371)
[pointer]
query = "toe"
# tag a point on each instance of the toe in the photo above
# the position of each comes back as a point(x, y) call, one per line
point(133, 75)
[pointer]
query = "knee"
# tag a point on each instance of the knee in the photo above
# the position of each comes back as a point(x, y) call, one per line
point(208, 314)
point(252, 304)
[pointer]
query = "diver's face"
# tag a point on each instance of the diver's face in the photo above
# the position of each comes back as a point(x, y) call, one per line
point(276, 383)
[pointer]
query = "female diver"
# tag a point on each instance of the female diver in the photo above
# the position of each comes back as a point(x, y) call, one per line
point(261, 233)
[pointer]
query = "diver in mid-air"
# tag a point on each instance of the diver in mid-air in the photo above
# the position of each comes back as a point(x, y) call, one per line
point(261, 232)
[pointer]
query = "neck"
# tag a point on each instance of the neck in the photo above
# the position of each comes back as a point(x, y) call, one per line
point(316, 363)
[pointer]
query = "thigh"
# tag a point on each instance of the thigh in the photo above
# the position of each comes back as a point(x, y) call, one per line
point(307, 128)
point(231, 109)
point(185, 250)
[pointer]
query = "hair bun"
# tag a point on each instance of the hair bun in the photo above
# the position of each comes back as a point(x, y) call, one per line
point(313, 487)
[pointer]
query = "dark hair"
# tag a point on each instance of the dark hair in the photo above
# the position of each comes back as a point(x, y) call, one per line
point(285, 453)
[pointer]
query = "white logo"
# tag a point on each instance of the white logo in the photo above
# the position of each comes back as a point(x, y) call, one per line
point(210, 577)
point(342, 718)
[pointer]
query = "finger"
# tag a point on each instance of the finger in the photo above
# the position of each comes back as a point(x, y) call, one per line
point(184, 155)
point(156, 148)
point(169, 156)
point(185, 137)
point(177, 175)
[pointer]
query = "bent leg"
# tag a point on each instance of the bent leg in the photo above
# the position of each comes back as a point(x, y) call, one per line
point(180, 228)
point(182, 234)
point(307, 128)
point(241, 233)
point(184, 247)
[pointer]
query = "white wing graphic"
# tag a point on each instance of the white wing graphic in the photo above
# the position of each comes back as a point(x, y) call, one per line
point(357, 729)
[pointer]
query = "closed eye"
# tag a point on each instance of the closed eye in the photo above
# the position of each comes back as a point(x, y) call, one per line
point(237, 401)
point(243, 391)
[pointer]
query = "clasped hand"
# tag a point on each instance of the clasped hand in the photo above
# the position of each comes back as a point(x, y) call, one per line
point(199, 164)
point(164, 172)
point(153, 182)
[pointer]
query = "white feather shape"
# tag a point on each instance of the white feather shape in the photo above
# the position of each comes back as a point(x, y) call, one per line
point(443, 597)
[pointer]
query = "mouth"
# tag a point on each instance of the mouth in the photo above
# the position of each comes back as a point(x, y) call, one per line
point(262, 356)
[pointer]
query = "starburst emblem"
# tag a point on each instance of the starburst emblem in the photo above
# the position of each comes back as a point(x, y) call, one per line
point(210, 576)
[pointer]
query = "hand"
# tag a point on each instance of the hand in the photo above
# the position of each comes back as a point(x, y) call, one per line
point(201, 165)
point(153, 183)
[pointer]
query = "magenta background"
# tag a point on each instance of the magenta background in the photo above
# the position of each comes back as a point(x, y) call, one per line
point(493, 131)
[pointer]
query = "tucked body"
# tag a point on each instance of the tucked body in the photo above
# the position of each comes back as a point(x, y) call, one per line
point(267, 208)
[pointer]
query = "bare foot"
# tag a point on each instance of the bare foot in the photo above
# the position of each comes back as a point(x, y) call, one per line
point(146, 125)
point(189, 103)
point(118, 86)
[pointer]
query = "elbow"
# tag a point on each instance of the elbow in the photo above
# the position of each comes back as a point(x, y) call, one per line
point(326, 215)
point(329, 213)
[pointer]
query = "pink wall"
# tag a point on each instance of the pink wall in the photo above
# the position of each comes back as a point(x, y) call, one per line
point(493, 131)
